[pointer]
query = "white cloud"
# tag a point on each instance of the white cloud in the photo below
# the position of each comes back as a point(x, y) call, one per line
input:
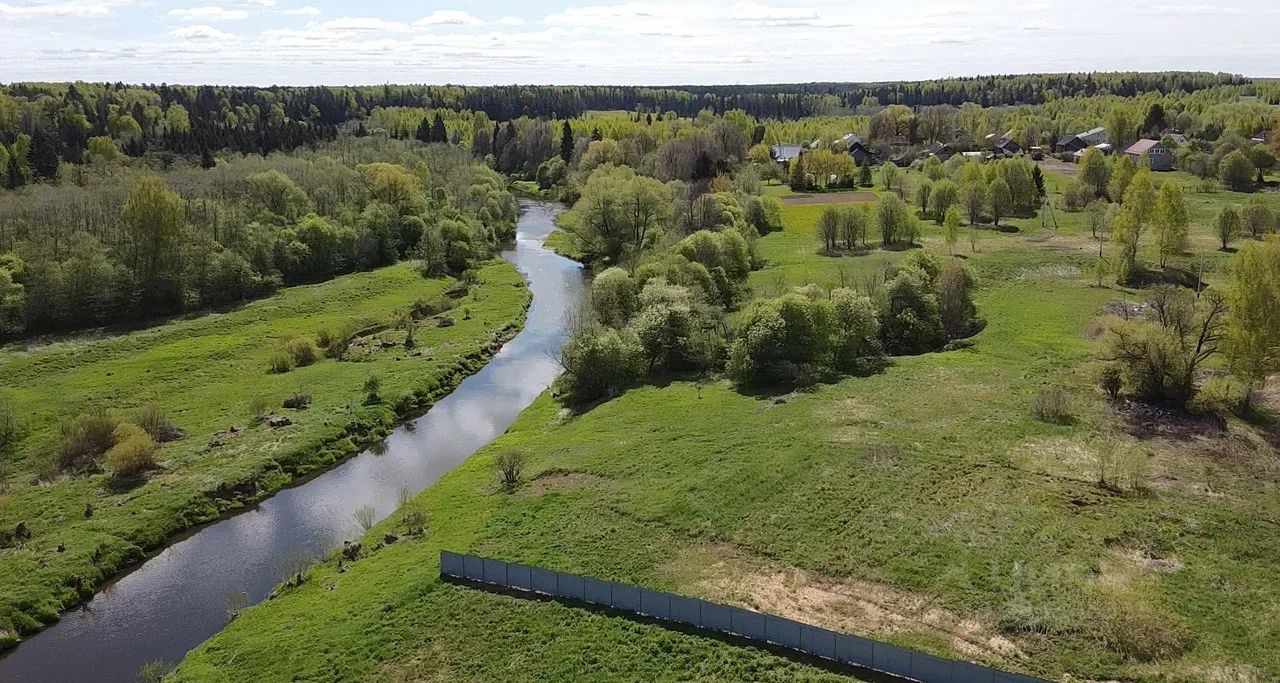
point(449, 17)
point(765, 15)
point(76, 9)
point(511, 21)
point(201, 32)
point(259, 3)
point(209, 13)
point(358, 25)
point(307, 10)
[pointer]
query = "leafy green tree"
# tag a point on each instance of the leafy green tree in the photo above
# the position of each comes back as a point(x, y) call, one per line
point(1126, 231)
point(893, 220)
point(855, 333)
point(955, 304)
point(613, 297)
point(910, 321)
point(277, 194)
point(153, 216)
point(1253, 322)
point(891, 177)
point(1237, 172)
point(973, 197)
point(104, 150)
point(1140, 195)
point(922, 196)
point(394, 185)
point(951, 229)
point(1122, 172)
point(942, 197)
point(1227, 227)
point(853, 226)
point(599, 362)
point(1257, 218)
point(999, 199)
point(1094, 171)
point(864, 175)
point(1171, 221)
point(1263, 160)
point(828, 228)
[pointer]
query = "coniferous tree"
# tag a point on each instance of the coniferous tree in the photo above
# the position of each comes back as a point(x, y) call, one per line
point(438, 132)
point(423, 133)
point(566, 142)
point(43, 157)
point(13, 178)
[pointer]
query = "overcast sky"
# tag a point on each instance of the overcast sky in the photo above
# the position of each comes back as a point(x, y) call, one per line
point(301, 42)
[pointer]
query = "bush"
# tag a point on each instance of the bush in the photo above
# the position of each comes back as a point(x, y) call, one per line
point(152, 419)
point(1111, 380)
point(372, 387)
point(599, 362)
point(1219, 396)
point(1076, 196)
point(133, 453)
point(302, 351)
point(910, 319)
point(85, 439)
point(855, 333)
point(324, 337)
point(1237, 172)
point(11, 429)
point(259, 407)
point(782, 341)
point(365, 516)
point(955, 305)
point(1135, 625)
point(1050, 405)
point(281, 362)
point(509, 466)
point(613, 297)
point(299, 401)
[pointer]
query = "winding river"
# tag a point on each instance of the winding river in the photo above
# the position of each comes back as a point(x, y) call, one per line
point(177, 599)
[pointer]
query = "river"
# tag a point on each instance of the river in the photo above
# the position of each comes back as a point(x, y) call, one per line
point(177, 599)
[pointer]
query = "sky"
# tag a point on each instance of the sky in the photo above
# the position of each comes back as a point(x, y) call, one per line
point(637, 42)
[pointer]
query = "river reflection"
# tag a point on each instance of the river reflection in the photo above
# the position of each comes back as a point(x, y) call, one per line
point(178, 599)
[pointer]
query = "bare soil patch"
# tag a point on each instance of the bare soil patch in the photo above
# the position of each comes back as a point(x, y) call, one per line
point(829, 198)
point(721, 572)
point(1059, 166)
point(562, 481)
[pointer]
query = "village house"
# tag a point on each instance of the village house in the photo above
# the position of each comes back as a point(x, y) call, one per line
point(1159, 158)
point(785, 154)
point(1262, 137)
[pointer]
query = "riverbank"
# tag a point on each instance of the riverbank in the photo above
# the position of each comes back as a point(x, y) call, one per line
point(211, 376)
point(925, 506)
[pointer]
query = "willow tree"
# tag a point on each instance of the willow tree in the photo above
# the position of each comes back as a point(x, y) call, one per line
point(153, 217)
point(1253, 323)
point(1170, 221)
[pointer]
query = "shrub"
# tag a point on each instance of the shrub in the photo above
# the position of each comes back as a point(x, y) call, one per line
point(302, 351)
point(599, 362)
point(613, 297)
point(910, 319)
point(298, 401)
point(855, 333)
point(259, 407)
point(341, 340)
point(324, 337)
point(510, 468)
point(133, 453)
point(372, 387)
point(152, 419)
point(85, 439)
point(415, 520)
point(11, 430)
point(1050, 405)
point(1237, 172)
point(1111, 380)
point(364, 516)
point(1219, 396)
point(1133, 624)
point(281, 362)
point(1076, 196)
point(955, 305)
point(782, 341)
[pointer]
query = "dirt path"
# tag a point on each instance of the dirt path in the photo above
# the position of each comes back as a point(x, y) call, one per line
point(831, 198)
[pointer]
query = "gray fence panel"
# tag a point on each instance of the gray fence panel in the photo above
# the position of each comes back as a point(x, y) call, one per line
point(572, 586)
point(930, 669)
point(964, 671)
point(473, 568)
point(747, 623)
point(687, 610)
point(655, 604)
point(711, 616)
point(818, 641)
point(598, 592)
point(717, 617)
point(782, 631)
point(545, 581)
point(495, 572)
point(854, 650)
point(892, 659)
point(451, 564)
point(518, 576)
point(626, 597)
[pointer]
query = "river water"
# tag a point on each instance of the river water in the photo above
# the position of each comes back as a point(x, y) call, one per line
point(177, 599)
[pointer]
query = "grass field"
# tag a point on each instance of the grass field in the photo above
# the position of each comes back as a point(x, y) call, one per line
point(205, 372)
point(923, 506)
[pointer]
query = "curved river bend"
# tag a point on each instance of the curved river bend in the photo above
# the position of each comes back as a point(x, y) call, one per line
point(178, 599)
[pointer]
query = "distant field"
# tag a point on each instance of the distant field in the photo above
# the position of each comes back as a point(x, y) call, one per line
point(923, 506)
point(832, 198)
point(205, 372)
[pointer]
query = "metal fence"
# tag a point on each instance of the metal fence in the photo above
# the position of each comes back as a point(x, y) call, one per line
point(766, 628)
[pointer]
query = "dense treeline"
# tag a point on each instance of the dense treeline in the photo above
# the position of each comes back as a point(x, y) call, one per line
point(126, 245)
point(62, 119)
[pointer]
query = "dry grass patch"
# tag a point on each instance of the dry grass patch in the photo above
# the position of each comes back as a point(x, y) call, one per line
point(559, 480)
point(723, 573)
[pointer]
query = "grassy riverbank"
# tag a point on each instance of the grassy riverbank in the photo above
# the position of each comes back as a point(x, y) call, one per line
point(924, 506)
point(211, 376)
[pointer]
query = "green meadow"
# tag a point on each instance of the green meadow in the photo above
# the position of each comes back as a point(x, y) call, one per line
point(211, 375)
point(924, 506)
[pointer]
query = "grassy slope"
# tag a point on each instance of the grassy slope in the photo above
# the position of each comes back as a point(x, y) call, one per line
point(931, 478)
point(205, 372)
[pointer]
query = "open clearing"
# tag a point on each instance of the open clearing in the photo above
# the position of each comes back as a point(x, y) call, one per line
point(923, 506)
